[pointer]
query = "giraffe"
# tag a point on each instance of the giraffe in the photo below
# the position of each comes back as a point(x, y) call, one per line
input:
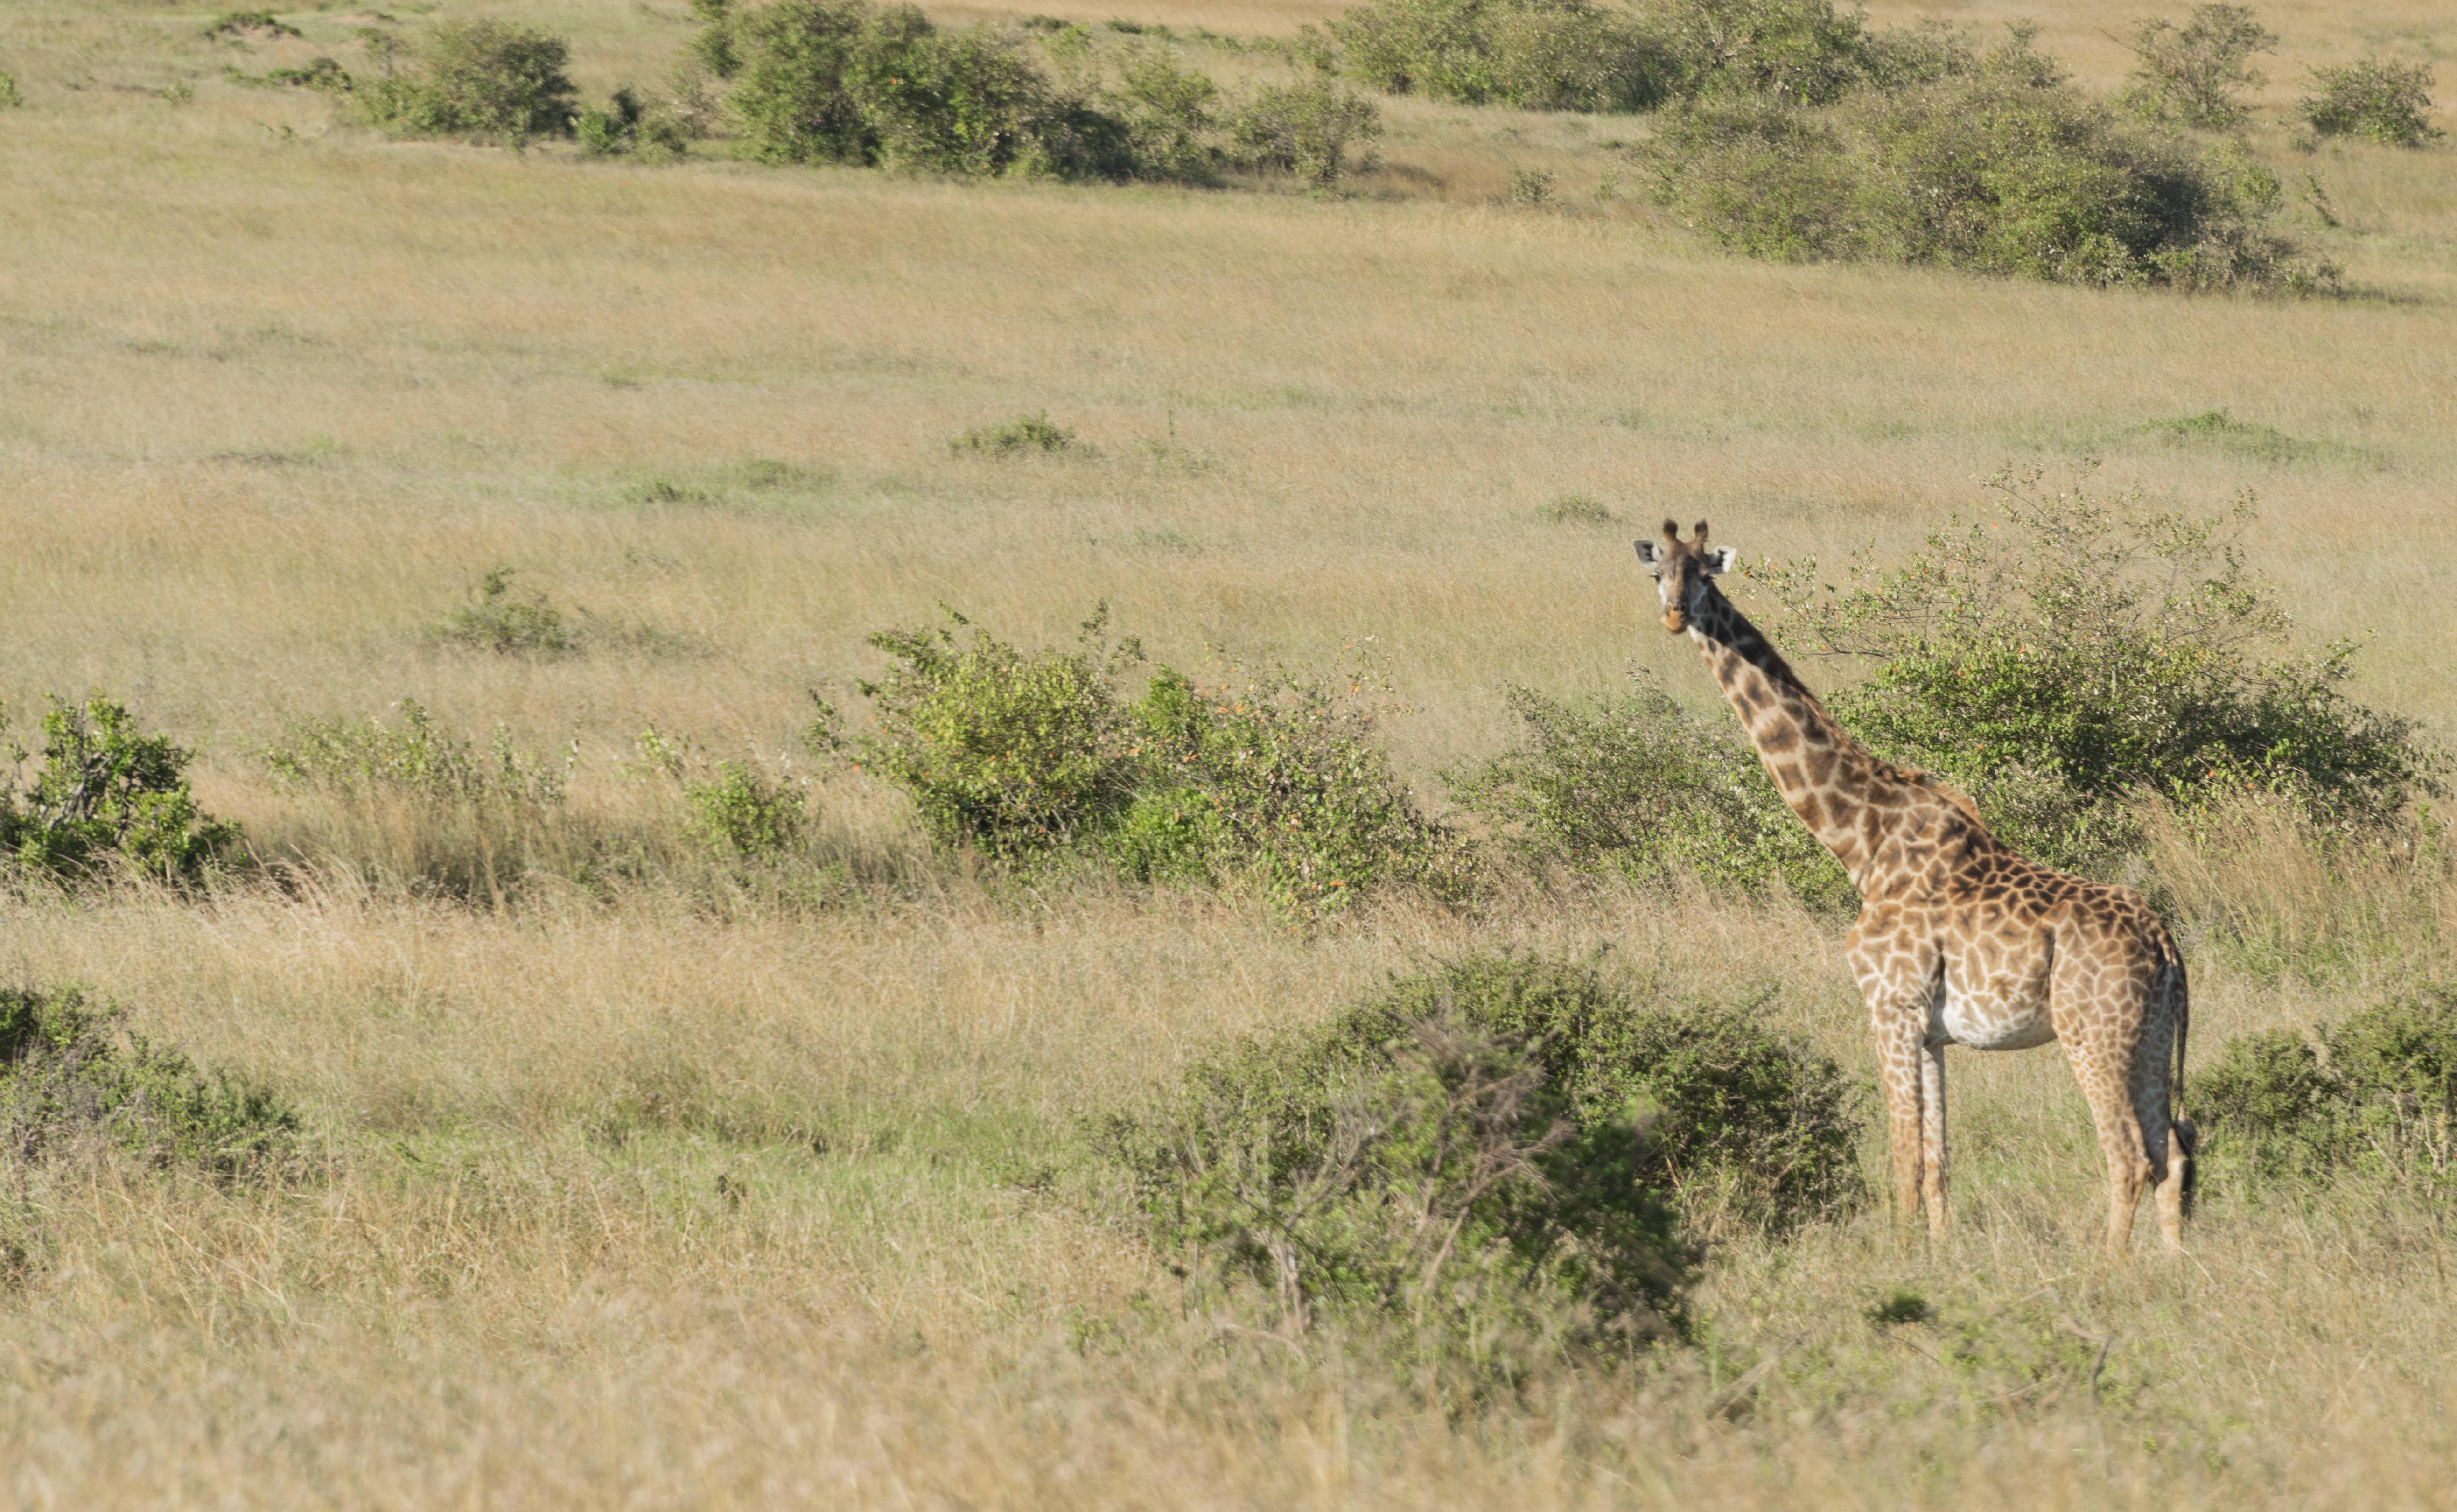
point(1959, 940)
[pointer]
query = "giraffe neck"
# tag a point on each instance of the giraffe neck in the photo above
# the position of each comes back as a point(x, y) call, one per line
point(1847, 797)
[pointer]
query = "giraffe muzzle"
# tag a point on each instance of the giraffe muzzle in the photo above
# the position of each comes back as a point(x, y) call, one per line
point(1676, 620)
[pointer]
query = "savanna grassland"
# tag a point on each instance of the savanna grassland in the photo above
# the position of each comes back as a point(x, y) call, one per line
point(692, 1184)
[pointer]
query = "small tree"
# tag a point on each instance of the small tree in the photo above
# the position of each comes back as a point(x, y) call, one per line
point(1798, 51)
point(1306, 128)
point(1007, 751)
point(2375, 100)
point(478, 78)
point(2195, 74)
point(107, 791)
point(2076, 650)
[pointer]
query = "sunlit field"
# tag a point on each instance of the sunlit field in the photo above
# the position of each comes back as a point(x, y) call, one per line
point(691, 1191)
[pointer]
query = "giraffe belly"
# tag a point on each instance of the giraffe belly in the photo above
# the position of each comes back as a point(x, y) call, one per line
point(1990, 1020)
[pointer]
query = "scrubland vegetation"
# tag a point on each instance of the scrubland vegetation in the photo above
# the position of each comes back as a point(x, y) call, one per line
point(809, 754)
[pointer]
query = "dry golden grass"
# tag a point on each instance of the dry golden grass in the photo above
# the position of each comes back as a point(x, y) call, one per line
point(662, 1200)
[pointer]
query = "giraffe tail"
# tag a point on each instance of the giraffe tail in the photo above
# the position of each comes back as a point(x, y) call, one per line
point(2186, 1137)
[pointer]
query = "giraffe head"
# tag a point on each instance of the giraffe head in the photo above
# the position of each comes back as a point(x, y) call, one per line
point(1681, 569)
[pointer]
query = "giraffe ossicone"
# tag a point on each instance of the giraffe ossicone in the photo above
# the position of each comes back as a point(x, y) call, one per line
point(1960, 940)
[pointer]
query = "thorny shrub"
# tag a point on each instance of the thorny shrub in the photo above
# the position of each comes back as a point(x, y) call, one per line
point(2378, 1097)
point(483, 78)
point(1992, 171)
point(1533, 54)
point(2375, 100)
point(2074, 651)
point(416, 760)
point(72, 1072)
point(1307, 129)
point(106, 794)
point(1021, 754)
point(1494, 1158)
point(1634, 783)
point(505, 623)
point(2195, 74)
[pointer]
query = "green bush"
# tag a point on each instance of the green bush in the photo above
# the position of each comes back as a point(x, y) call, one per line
point(416, 807)
point(1416, 1166)
point(1991, 172)
point(322, 75)
point(1306, 128)
point(1575, 509)
point(2074, 653)
point(2379, 1098)
point(1279, 779)
point(415, 760)
point(1025, 433)
point(1763, 179)
point(1634, 783)
point(1494, 1155)
point(2375, 100)
point(72, 1074)
point(628, 124)
point(2195, 74)
point(11, 97)
point(1534, 54)
point(746, 811)
point(484, 77)
point(1794, 52)
point(847, 82)
point(1168, 118)
point(505, 625)
point(245, 22)
point(1008, 752)
point(107, 793)
point(1023, 755)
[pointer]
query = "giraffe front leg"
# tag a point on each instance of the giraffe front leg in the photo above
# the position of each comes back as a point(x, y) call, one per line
point(1897, 1035)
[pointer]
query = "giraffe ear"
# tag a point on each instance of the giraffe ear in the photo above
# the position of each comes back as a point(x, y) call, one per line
point(1648, 552)
point(1721, 560)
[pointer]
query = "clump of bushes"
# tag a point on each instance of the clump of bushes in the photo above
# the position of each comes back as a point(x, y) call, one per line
point(1796, 51)
point(2082, 652)
point(627, 123)
point(478, 78)
point(416, 759)
point(1494, 1158)
point(1634, 783)
point(2378, 1097)
point(415, 804)
point(506, 624)
point(1306, 128)
point(1020, 755)
point(107, 795)
point(1025, 433)
point(844, 81)
point(1580, 55)
point(1575, 509)
point(236, 24)
point(2195, 74)
point(1534, 54)
point(1993, 171)
point(740, 808)
point(2375, 100)
point(72, 1074)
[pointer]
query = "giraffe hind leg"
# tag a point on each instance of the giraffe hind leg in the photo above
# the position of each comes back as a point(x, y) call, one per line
point(1933, 1138)
point(2176, 1187)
